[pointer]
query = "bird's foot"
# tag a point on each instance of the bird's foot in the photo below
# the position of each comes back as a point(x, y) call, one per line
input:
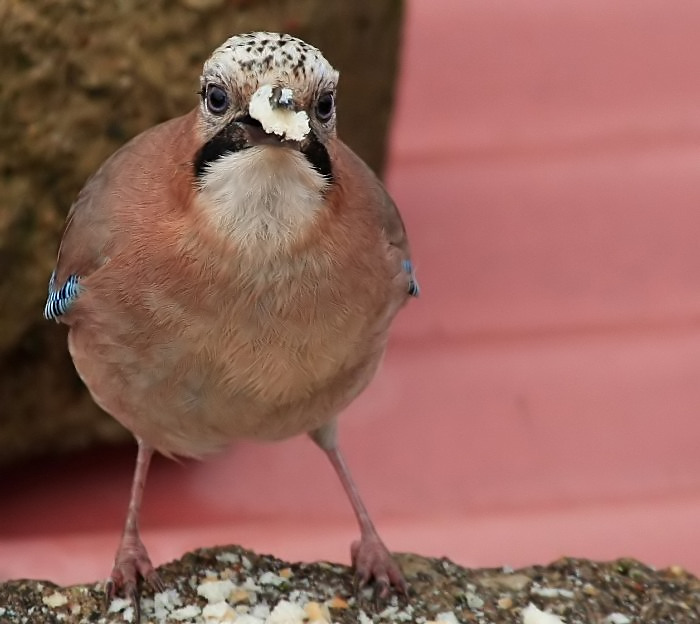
point(132, 565)
point(374, 564)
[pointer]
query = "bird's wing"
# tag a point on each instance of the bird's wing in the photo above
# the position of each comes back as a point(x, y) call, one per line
point(386, 211)
point(87, 227)
point(92, 233)
point(84, 240)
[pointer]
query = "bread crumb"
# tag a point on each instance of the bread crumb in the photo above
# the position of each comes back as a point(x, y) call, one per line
point(186, 613)
point(215, 591)
point(617, 618)
point(532, 615)
point(337, 603)
point(286, 612)
point(218, 612)
point(288, 124)
point(446, 617)
point(316, 612)
point(54, 600)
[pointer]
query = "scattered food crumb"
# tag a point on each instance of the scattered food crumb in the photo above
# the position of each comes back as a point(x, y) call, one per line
point(315, 612)
point(215, 591)
point(363, 618)
point(286, 612)
point(532, 615)
point(118, 604)
point(447, 618)
point(474, 602)
point(186, 613)
point(286, 573)
point(228, 557)
point(245, 618)
point(239, 595)
point(337, 603)
point(54, 600)
point(551, 592)
point(617, 618)
point(218, 612)
point(128, 614)
point(270, 578)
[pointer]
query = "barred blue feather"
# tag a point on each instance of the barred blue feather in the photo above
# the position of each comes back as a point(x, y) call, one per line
point(413, 287)
point(59, 301)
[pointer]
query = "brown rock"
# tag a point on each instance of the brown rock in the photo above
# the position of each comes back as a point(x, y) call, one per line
point(78, 79)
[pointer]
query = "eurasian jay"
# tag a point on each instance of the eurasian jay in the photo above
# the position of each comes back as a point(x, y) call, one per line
point(232, 273)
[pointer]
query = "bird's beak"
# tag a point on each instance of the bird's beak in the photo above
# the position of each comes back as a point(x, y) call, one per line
point(275, 118)
point(254, 133)
point(282, 99)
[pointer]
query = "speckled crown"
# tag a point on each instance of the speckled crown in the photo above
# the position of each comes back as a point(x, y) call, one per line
point(252, 59)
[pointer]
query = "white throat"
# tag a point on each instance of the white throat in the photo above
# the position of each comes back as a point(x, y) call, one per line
point(263, 194)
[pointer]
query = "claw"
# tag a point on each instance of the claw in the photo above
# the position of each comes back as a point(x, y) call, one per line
point(132, 566)
point(109, 592)
point(155, 582)
point(374, 564)
point(133, 593)
point(381, 593)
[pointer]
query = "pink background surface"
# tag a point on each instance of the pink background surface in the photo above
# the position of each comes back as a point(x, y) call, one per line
point(541, 398)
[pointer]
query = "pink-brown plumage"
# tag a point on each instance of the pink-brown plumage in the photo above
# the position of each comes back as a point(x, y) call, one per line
point(247, 297)
point(190, 341)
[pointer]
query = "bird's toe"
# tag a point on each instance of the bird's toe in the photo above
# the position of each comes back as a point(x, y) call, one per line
point(374, 565)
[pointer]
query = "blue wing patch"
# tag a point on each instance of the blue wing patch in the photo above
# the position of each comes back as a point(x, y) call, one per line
point(413, 287)
point(59, 301)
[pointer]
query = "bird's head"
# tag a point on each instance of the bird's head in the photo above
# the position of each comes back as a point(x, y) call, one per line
point(267, 89)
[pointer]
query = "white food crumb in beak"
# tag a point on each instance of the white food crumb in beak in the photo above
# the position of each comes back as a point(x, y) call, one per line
point(286, 123)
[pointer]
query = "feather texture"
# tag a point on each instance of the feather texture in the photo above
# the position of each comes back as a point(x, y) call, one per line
point(192, 334)
point(220, 281)
point(60, 299)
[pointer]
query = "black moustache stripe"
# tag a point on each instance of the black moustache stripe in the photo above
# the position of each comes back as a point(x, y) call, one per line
point(231, 139)
point(317, 155)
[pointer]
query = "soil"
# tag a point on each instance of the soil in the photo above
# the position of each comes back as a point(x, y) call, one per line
point(227, 584)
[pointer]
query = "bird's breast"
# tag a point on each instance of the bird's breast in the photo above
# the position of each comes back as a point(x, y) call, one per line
point(192, 339)
point(261, 197)
point(283, 330)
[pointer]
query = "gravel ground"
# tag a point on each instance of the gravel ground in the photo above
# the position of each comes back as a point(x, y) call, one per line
point(230, 584)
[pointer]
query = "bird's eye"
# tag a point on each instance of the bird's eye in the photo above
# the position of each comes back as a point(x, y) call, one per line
point(217, 100)
point(325, 106)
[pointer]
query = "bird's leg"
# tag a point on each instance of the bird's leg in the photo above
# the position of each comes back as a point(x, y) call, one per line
point(370, 557)
point(132, 563)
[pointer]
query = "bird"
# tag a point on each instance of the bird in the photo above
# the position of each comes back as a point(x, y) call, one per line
point(233, 273)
